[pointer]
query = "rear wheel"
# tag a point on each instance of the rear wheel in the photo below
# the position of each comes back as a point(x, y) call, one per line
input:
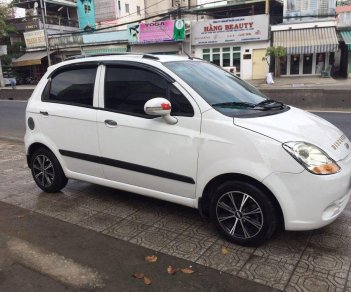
point(243, 213)
point(47, 171)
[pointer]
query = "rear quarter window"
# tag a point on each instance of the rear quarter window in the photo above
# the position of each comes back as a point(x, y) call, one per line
point(71, 86)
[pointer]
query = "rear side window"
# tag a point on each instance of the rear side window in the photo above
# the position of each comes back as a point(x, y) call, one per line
point(127, 89)
point(72, 86)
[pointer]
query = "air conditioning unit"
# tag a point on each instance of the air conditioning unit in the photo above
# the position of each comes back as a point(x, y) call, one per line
point(230, 69)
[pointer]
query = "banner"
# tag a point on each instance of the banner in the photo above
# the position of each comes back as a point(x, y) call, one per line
point(3, 50)
point(34, 39)
point(157, 32)
point(230, 30)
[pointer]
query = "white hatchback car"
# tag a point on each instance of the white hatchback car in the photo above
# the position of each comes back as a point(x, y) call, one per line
point(183, 130)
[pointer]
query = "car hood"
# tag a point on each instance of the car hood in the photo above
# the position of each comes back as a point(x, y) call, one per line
point(298, 125)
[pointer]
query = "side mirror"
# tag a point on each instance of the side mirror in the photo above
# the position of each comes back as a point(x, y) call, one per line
point(160, 107)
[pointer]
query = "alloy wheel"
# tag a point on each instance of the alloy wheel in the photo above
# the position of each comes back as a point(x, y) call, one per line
point(239, 215)
point(43, 170)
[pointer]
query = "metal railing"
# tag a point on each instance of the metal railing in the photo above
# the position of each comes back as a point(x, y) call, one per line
point(55, 20)
point(343, 2)
point(31, 1)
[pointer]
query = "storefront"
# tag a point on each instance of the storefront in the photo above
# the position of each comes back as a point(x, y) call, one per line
point(236, 44)
point(346, 36)
point(161, 37)
point(344, 30)
point(30, 67)
point(310, 48)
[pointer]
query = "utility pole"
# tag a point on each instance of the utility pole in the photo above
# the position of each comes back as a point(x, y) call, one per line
point(45, 32)
point(179, 13)
point(2, 82)
point(267, 7)
point(3, 52)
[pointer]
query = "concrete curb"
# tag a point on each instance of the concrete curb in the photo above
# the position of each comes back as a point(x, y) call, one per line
point(312, 98)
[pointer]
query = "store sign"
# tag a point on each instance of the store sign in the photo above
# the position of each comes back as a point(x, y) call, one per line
point(3, 50)
point(230, 30)
point(34, 39)
point(157, 32)
point(308, 10)
point(31, 25)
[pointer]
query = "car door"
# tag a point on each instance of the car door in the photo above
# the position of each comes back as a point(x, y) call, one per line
point(68, 117)
point(141, 150)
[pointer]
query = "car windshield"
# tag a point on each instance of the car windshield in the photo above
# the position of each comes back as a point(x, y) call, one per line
point(223, 91)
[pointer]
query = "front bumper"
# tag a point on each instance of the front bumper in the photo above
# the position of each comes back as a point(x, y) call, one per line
point(311, 201)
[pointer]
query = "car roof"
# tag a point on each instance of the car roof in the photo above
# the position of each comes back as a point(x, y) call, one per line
point(126, 56)
point(120, 57)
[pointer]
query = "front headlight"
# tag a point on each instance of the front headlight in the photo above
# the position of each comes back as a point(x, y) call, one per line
point(312, 158)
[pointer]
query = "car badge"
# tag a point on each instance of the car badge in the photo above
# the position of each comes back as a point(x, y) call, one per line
point(347, 145)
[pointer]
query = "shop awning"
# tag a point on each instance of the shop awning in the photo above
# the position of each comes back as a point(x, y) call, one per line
point(28, 59)
point(346, 36)
point(307, 41)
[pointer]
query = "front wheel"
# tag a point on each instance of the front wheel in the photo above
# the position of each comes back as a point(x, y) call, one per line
point(243, 213)
point(47, 171)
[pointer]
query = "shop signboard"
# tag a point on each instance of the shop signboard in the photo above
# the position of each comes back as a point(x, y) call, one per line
point(230, 30)
point(34, 39)
point(308, 10)
point(32, 25)
point(157, 32)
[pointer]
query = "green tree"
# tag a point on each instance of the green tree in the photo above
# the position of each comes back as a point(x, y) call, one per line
point(276, 53)
point(5, 27)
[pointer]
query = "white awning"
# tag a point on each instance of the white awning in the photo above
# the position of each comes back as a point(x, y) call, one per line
point(307, 41)
point(28, 59)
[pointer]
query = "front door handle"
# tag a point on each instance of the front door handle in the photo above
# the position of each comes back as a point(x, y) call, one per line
point(44, 113)
point(111, 123)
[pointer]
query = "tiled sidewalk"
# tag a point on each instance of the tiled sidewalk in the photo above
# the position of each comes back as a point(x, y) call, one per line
point(293, 261)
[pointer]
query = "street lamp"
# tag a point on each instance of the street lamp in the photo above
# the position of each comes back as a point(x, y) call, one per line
point(45, 32)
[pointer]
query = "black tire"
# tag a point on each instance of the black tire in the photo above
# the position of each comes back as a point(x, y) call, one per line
point(47, 171)
point(249, 225)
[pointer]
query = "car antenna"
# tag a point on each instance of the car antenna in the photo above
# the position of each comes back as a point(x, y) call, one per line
point(190, 57)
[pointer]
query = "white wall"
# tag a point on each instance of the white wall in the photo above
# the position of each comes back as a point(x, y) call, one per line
point(246, 65)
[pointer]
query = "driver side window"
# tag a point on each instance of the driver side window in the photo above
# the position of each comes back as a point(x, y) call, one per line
point(128, 88)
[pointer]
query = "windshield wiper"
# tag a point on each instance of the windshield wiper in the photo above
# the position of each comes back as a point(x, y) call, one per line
point(235, 104)
point(270, 103)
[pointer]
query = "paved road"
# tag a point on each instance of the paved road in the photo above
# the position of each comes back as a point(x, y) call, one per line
point(12, 122)
point(12, 119)
point(59, 256)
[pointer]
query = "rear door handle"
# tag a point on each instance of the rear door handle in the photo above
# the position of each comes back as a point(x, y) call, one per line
point(44, 113)
point(111, 123)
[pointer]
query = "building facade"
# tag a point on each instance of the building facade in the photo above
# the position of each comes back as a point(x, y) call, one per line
point(238, 44)
point(343, 25)
point(308, 33)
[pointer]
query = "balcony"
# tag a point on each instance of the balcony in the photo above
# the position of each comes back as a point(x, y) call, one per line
point(343, 2)
point(30, 3)
point(33, 22)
